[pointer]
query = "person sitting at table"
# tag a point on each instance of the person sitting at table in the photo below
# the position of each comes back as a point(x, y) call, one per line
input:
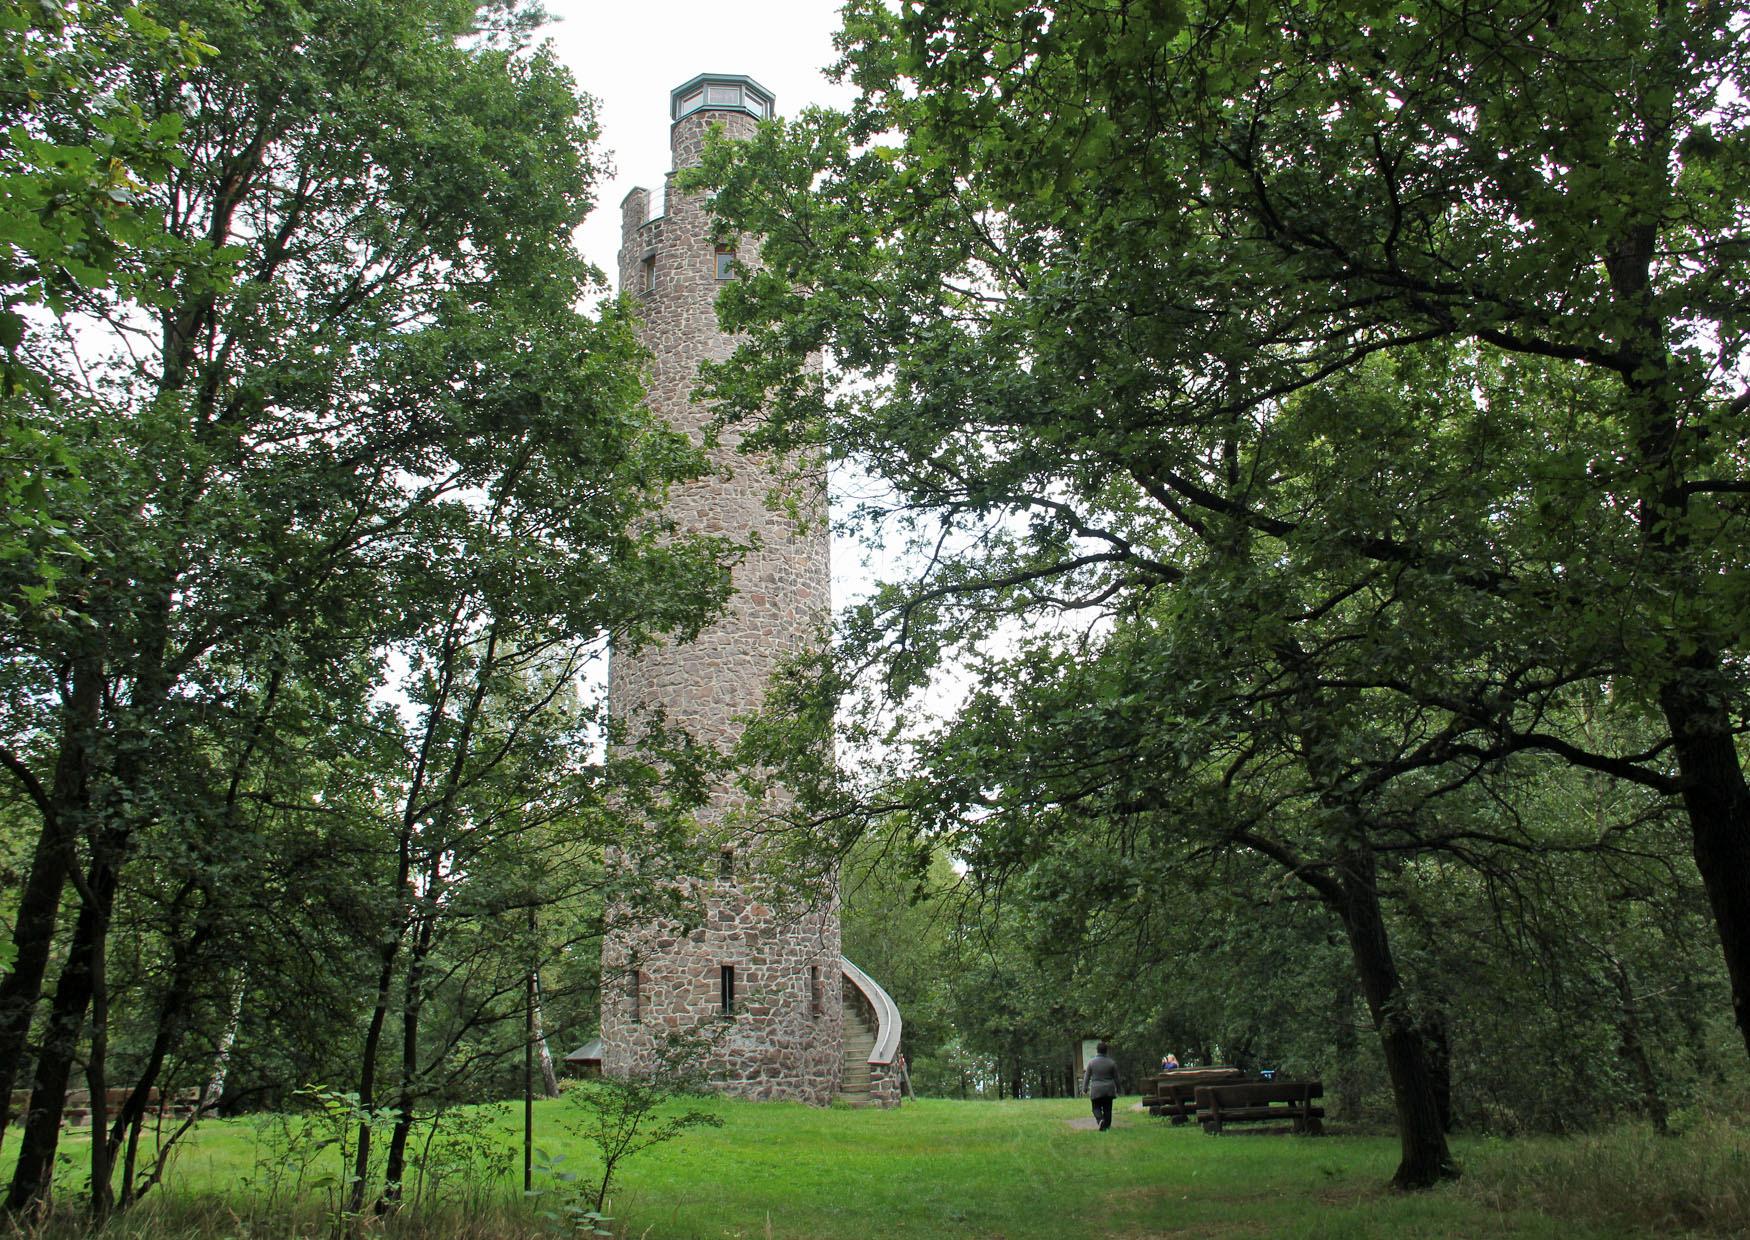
point(1169, 1062)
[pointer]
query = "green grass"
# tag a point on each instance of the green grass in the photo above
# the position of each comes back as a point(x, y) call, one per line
point(1017, 1170)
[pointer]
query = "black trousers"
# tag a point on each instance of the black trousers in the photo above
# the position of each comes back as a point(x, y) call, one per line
point(1103, 1112)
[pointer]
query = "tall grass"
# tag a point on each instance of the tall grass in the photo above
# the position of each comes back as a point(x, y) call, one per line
point(1628, 1176)
point(200, 1217)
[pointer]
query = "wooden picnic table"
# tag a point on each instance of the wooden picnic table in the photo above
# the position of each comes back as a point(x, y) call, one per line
point(1172, 1093)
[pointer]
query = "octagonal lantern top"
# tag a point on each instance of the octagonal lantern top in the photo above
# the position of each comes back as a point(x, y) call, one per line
point(720, 92)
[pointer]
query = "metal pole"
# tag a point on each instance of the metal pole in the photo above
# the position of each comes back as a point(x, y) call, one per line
point(529, 1070)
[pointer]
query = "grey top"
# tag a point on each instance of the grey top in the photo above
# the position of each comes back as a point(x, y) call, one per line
point(1100, 1080)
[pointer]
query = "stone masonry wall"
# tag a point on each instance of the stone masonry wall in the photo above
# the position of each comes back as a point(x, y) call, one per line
point(783, 1039)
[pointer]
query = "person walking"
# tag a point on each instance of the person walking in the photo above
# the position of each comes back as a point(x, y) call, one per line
point(1100, 1083)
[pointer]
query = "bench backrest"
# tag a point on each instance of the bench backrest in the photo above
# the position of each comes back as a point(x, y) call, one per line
point(1257, 1093)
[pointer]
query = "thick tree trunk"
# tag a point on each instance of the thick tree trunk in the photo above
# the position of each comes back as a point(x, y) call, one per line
point(1691, 693)
point(33, 938)
point(1352, 892)
point(39, 905)
point(1718, 801)
point(33, 1175)
point(1439, 1045)
point(1425, 1160)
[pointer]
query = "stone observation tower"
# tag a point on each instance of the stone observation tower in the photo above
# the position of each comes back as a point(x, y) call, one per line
point(789, 1016)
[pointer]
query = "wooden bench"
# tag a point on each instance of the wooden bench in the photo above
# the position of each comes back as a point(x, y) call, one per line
point(76, 1113)
point(1256, 1102)
point(1173, 1093)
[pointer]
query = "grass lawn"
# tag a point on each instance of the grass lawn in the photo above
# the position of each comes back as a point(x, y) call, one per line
point(1017, 1169)
point(987, 1170)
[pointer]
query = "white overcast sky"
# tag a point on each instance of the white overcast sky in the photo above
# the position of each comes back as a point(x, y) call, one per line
point(629, 55)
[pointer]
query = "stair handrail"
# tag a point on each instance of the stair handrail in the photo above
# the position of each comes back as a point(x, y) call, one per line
point(887, 1021)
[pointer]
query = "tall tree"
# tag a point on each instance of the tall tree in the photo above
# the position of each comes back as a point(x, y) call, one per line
point(289, 472)
point(1111, 273)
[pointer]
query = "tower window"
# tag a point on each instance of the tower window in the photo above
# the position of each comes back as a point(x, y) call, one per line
point(649, 274)
point(816, 1005)
point(635, 994)
point(726, 988)
point(726, 864)
point(726, 262)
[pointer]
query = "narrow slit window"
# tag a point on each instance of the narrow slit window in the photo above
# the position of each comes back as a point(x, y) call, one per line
point(635, 995)
point(649, 274)
point(726, 865)
point(726, 262)
point(726, 988)
point(816, 1004)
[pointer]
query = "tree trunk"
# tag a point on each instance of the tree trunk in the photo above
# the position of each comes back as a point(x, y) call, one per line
point(549, 1074)
point(1425, 1160)
point(33, 933)
point(33, 937)
point(97, 1077)
point(368, 1071)
point(1718, 801)
point(1634, 1050)
point(222, 1055)
point(172, 1016)
point(1440, 1062)
point(412, 1005)
point(34, 1174)
point(1691, 694)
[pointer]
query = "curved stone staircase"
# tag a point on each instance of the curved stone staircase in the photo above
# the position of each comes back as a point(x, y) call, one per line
point(859, 1041)
point(870, 1039)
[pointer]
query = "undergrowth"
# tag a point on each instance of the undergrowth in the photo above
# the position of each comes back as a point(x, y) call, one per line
point(1628, 1176)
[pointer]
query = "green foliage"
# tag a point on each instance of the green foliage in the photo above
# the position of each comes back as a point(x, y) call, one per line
point(78, 153)
point(1319, 433)
point(622, 1116)
point(347, 444)
point(897, 919)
